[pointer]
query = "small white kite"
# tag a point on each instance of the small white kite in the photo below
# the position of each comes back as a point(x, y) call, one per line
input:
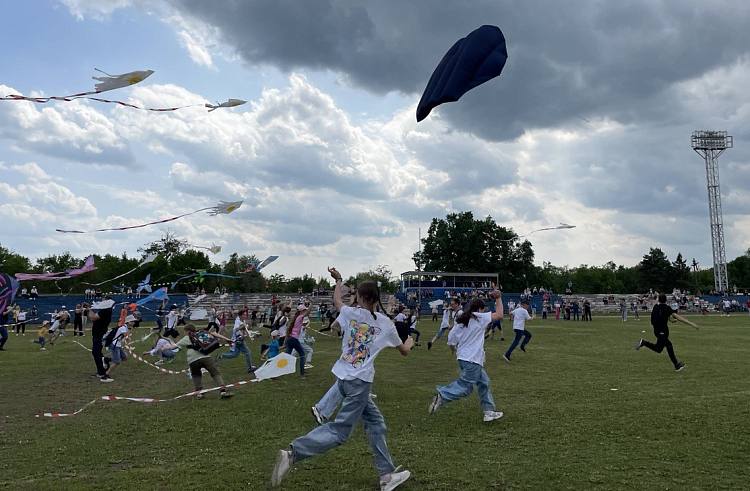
point(222, 208)
point(559, 227)
point(229, 103)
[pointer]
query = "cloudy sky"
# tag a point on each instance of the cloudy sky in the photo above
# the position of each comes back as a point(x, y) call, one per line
point(589, 124)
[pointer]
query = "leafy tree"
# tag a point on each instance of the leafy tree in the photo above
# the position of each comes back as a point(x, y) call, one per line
point(382, 274)
point(12, 262)
point(166, 246)
point(738, 271)
point(458, 244)
point(681, 277)
point(656, 270)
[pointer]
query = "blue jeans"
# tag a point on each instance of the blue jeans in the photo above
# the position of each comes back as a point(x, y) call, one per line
point(441, 331)
point(167, 353)
point(519, 334)
point(471, 374)
point(293, 344)
point(357, 406)
point(414, 331)
point(239, 348)
point(328, 404)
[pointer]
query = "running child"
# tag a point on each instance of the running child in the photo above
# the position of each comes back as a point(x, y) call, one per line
point(520, 316)
point(468, 338)
point(366, 333)
point(41, 333)
point(660, 316)
point(449, 316)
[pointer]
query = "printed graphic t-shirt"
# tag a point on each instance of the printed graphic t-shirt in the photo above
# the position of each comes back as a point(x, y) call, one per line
point(363, 338)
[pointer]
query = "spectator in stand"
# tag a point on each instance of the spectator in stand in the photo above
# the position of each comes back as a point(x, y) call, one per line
point(33, 293)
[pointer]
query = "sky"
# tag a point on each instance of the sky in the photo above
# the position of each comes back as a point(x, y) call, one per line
point(589, 124)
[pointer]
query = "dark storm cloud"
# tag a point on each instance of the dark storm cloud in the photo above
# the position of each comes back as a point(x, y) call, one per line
point(565, 58)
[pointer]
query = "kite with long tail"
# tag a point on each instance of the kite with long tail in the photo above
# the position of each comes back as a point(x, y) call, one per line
point(150, 258)
point(88, 265)
point(559, 227)
point(200, 275)
point(112, 82)
point(223, 208)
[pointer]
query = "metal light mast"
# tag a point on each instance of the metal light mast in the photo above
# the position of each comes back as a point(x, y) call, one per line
point(709, 145)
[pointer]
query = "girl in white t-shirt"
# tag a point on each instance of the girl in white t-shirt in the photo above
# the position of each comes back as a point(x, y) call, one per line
point(468, 338)
point(365, 334)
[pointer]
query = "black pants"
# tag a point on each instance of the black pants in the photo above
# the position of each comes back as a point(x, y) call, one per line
point(21, 327)
point(77, 326)
point(661, 343)
point(403, 330)
point(96, 352)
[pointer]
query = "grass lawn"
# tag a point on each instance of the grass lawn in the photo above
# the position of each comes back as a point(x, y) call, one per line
point(564, 427)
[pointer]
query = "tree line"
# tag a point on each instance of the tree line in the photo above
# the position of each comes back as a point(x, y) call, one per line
point(460, 243)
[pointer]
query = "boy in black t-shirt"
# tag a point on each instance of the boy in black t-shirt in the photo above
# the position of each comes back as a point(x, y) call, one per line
point(660, 321)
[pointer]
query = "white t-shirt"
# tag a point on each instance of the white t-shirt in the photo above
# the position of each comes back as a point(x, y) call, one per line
point(172, 318)
point(22, 317)
point(471, 338)
point(453, 336)
point(239, 325)
point(400, 317)
point(160, 344)
point(448, 315)
point(363, 338)
point(284, 320)
point(520, 316)
point(121, 332)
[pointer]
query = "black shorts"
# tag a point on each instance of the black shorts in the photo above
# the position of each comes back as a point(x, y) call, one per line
point(171, 333)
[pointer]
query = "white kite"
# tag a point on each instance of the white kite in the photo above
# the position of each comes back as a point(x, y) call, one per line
point(281, 364)
point(198, 314)
point(229, 103)
point(112, 82)
point(559, 227)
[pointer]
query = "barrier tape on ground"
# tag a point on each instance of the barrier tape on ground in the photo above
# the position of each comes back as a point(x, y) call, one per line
point(147, 400)
point(138, 357)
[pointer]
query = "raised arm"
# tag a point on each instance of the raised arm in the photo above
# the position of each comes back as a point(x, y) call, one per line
point(337, 302)
point(684, 320)
point(498, 313)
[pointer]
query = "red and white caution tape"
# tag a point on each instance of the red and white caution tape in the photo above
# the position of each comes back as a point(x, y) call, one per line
point(147, 400)
point(138, 357)
point(62, 415)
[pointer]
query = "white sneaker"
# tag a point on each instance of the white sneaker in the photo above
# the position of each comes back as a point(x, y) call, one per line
point(282, 467)
point(437, 401)
point(492, 415)
point(318, 416)
point(308, 366)
point(159, 362)
point(396, 480)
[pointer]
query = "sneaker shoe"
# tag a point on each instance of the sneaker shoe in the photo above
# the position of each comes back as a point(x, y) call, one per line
point(282, 467)
point(44, 349)
point(417, 344)
point(159, 362)
point(373, 396)
point(523, 348)
point(639, 344)
point(170, 360)
point(317, 415)
point(505, 357)
point(251, 369)
point(437, 401)
point(104, 378)
point(679, 366)
point(429, 345)
point(396, 480)
point(226, 395)
point(308, 366)
point(492, 415)
point(200, 396)
point(502, 339)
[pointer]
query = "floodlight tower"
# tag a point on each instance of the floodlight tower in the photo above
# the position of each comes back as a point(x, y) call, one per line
point(709, 145)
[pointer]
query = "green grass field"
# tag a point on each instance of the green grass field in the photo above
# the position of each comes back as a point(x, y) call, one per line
point(564, 427)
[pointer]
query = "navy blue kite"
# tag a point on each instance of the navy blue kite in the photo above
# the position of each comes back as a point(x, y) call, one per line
point(470, 62)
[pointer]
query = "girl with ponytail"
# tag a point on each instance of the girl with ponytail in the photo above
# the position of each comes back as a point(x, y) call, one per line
point(468, 337)
point(365, 333)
